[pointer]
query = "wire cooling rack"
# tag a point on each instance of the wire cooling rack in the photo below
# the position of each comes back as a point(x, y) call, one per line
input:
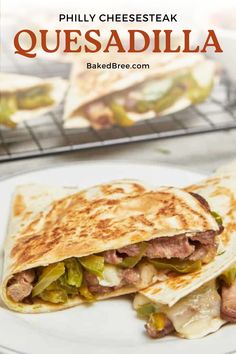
point(45, 135)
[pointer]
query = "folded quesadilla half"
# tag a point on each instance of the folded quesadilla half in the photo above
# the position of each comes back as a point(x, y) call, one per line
point(102, 98)
point(66, 247)
point(194, 305)
point(24, 97)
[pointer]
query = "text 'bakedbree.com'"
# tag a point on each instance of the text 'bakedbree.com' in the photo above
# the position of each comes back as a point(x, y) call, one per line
point(114, 65)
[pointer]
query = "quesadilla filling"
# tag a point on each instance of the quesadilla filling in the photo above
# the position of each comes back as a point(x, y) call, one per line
point(138, 266)
point(155, 97)
point(197, 314)
point(29, 99)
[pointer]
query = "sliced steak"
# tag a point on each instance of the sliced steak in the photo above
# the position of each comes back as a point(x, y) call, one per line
point(103, 121)
point(155, 333)
point(94, 286)
point(99, 115)
point(18, 291)
point(130, 276)
point(26, 276)
point(201, 200)
point(99, 289)
point(205, 238)
point(228, 303)
point(170, 247)
point(201, 246)
point(20, 286)
point(111, 257)
point(204, 253)
point(206, 246)
point(91, 279)
point(131, 250)
point(199, 253)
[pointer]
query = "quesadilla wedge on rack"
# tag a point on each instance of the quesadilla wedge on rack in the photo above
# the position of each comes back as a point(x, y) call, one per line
point(194, 305)
point(24, 97)
point(102, 98)
point(66, 247)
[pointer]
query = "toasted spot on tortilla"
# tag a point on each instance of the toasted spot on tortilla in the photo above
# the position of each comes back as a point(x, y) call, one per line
point(177, 281)
point(154, 291)
point(31, 227)
point(19, 205)
point(26, 215)
point(228, 233)
point(108, 221)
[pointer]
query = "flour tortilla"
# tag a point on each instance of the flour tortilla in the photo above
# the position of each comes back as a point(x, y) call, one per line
point(87, 86)
point(45, 229)
point(13, 83)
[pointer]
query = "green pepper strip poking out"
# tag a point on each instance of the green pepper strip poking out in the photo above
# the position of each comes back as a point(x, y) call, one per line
point(143, 106)
point(35, 98)
point(177, 90)
point(63, 283)
point(168, 99)
point(31, 99)
point(145, 310)
point(120, 115)
point(84, 292)
point(198, 94)
point(48, 276)
point(217, 217)
point(74, 272)
point(229, 276)
point(177, 265)
point(93, 264)
point(183, 86)
point(8, 106)
point(157, 321)
point(130, 262)
point(54, 293)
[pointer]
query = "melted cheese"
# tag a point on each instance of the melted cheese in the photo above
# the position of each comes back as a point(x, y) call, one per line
point(198, 314)
point(111, 276)
point(195, 316)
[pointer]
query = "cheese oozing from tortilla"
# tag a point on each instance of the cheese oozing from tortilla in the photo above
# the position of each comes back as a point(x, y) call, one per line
point(198, 314)
point(194, 316)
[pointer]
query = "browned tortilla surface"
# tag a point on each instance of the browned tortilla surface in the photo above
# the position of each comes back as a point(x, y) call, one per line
point(100, 218)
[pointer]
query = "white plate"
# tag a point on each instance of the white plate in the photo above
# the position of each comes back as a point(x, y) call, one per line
point(104, 327)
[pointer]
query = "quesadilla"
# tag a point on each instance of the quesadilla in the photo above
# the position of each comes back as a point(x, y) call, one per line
point(24, 97)
point(66, 247)
point(194, 305)
point(102, 98)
